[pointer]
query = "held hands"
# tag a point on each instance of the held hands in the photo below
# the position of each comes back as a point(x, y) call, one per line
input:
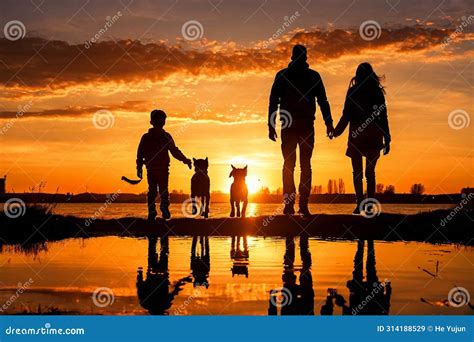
point(330, 131)
point(386, 148)
point(140, 173)
point(189, 163)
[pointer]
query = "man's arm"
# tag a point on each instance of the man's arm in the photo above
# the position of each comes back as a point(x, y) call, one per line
point(140, 157)
point(176, 152)
point(275, 94)
point(323, 102)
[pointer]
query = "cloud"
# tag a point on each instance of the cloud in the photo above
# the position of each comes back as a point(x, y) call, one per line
point(51, 64)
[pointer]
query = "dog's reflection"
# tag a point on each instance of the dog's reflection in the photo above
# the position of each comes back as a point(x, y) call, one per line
point(200, 262)
point(239, 254)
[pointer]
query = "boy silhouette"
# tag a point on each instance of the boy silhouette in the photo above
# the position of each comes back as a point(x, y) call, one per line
point(153, 152)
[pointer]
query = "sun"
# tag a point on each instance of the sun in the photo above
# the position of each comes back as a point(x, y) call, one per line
point(253, 184)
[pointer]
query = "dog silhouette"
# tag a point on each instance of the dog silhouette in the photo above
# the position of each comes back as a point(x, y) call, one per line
point(200, 187)
point(238, 191)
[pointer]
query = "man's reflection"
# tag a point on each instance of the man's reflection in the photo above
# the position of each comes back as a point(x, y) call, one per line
point(293, 298)
point(154, 292)
point(200, 262)
point(370, 297)
point(239, 254)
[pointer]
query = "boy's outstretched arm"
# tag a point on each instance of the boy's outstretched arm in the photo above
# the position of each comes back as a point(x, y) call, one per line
point(140, 159)
point(176, 153)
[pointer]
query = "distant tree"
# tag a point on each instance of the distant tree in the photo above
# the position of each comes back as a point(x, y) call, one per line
point(264, 191)
point(342, 187)
point(390, 190)
point(317, 189)
point(278, 191)
point(417, 189)
point(379, 188)
point(330, 189)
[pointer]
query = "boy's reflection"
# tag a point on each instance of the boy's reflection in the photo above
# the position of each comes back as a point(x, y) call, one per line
point(239, 254)
point(370, 297)
point(154, 292)
point(294, 299)
point(200, 263)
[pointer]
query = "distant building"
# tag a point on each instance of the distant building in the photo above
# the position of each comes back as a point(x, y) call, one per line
point(3, 182)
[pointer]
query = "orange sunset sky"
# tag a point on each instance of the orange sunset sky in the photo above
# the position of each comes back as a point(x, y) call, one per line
point(215, 88)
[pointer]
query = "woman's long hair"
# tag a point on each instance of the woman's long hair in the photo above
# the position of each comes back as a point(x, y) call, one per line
point(366, 78)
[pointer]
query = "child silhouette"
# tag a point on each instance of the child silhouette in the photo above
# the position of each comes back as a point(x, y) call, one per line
point(153, 152)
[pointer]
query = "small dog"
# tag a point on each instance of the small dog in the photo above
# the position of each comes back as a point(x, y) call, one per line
point(200, 187)
point(238, 191)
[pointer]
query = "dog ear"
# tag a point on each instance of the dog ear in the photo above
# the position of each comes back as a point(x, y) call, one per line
point(245, 168)
point(206, 159)
point(233, 167)
point(231, 173)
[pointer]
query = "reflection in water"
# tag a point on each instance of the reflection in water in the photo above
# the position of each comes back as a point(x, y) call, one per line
point(370, 297)
point(239, 254)
point(154, 292)
point(294, 299)
point(200, 263)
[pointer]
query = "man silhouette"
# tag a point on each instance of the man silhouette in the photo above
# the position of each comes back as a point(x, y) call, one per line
point(293, 93)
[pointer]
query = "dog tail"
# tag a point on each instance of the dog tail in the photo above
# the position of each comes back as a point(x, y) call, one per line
point(131, 181)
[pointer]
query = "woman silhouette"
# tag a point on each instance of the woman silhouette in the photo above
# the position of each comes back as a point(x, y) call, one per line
point(366, 113)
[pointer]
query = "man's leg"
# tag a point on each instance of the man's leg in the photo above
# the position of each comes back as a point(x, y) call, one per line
point(288, 149)
point(163, 175)
point(306, 144)
point(152, 193)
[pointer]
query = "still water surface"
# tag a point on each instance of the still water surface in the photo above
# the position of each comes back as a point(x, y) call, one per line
point(223, 278)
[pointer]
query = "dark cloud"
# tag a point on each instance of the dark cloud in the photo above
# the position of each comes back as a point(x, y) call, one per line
point(41, 63)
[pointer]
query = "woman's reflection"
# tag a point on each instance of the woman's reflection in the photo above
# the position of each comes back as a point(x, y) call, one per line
point(370, 297)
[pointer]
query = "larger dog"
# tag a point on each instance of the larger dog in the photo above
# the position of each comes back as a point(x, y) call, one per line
point(238, 191)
